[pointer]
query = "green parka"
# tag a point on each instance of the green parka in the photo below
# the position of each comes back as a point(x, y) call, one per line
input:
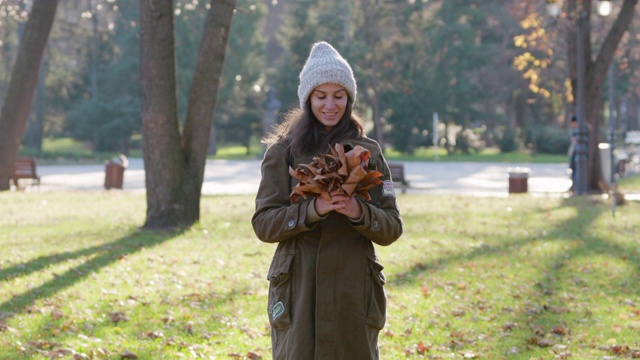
point(326, 295)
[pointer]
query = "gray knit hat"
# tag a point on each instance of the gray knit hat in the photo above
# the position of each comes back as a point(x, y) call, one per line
point(325, 65)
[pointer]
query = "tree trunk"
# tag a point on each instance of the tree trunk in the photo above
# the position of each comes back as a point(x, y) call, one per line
point(24, 77)
point(35, 127)
point(174, 165)
point(372, 38)
point(595, 74)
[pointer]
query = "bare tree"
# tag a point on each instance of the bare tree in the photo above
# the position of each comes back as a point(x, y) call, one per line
point(595, 75)
point(24, 77)
point(174, 160)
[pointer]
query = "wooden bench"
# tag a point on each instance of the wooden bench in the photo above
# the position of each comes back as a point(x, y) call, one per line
point(25, 168)
point(397, 175)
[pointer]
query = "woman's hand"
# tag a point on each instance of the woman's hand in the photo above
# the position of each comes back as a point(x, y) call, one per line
point(341, 203)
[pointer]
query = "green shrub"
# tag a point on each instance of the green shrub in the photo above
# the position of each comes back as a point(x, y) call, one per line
point(507, 140)
point(549, 140)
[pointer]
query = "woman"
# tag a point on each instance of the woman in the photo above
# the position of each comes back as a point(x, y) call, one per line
point(326, 296)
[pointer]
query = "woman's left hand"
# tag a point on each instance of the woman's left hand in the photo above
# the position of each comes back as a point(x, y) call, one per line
point(346, 205)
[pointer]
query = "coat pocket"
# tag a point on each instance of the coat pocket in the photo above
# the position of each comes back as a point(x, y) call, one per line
point(280, 290)
point(377, 309)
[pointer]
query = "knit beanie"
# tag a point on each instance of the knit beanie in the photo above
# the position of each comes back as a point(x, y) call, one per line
point(325, 65)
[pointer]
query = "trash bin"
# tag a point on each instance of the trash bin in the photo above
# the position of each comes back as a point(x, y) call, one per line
point(518, 180)
point(114, 172)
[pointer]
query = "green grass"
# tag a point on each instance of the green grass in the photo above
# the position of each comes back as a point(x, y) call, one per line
point(237, 152)
point(66, 150)
point(502, 278)
point(486, 155)
point(69, 151)
point(630, 184)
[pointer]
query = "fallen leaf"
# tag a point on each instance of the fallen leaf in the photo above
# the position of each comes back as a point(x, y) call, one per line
point(545, 342)
point(422, 348)
point(118, 316)
point(128, 355)
point(56, 314)
point(620, 349)
point(559, 330)
point(154, 334)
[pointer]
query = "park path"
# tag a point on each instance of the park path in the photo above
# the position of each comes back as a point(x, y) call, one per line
point(243, 176)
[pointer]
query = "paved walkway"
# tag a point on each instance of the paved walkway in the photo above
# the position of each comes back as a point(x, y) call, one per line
point(242, 177)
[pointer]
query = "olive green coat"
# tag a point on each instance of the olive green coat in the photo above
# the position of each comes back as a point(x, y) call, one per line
point(326, 295)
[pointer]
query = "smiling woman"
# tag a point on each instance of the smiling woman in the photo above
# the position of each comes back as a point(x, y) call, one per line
point(326, 287)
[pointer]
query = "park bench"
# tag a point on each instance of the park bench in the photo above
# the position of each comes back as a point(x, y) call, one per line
point(397, 175)
point(25, 168)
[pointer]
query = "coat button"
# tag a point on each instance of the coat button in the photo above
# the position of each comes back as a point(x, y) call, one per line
point(375, 225)
point(291, 224)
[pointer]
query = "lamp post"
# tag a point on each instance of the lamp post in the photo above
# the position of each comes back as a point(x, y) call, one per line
point(554, 8)
point(581, 186)
point(612, 141)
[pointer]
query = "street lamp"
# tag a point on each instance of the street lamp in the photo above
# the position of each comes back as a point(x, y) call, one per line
point(604, 7)
point(554, 8)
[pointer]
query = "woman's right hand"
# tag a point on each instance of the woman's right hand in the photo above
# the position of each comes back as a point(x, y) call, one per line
point(324, 206)
point(339, 202)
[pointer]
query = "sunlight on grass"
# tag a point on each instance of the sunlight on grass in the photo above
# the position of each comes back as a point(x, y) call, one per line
point(238, 152)
point(69, 150)
point(516, 277)
point(486, 155)
point(65, 145)
point(630, 183)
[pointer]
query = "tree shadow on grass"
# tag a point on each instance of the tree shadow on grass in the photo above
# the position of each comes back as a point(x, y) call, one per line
point(549, 319)
point(104, 255)
point(542, 308)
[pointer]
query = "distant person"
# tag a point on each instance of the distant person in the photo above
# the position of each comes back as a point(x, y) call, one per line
point(326, 294)
point(573, 153)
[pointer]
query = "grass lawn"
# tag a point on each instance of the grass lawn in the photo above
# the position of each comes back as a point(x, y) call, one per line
point(66, 150)
point(630, 184)
point(491, 278)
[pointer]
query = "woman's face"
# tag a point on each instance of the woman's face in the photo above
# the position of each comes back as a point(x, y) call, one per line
point(328, 104)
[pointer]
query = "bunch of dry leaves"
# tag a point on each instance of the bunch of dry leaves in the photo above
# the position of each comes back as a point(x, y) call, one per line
point(344, 172)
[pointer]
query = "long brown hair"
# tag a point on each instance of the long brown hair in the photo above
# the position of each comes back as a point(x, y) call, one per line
point(306, 135)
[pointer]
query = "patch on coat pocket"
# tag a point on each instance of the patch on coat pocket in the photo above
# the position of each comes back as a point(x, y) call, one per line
point(277, 310)
point(387, 188)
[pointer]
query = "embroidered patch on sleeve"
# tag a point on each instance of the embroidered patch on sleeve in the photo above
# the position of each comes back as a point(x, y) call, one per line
point(387, 188)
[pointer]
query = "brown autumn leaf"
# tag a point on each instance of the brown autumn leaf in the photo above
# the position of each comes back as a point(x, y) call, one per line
point(345, 172)
point(253, 356)
point(559, 330)
point(118, 316)
point(545, 342)
point(154, 334)
point(620, 349)
point(128, 355)
point(422, 348)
